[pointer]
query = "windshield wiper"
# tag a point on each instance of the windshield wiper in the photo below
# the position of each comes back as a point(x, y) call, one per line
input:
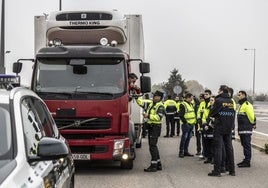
point(77, 123)
point(55, 94)
point(93, 93)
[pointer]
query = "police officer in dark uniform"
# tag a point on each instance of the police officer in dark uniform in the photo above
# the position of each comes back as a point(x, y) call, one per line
point(223, 114)
point(154, 113)
point(246, 122)
point(171, 108)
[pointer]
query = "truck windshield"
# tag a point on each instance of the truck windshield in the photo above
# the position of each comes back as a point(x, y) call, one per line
point(80, 77)
point(5, 134)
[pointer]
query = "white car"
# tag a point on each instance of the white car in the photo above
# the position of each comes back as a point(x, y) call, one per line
point(32, 152)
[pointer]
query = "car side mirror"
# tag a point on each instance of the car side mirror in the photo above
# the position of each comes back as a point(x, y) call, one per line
point(50, 149)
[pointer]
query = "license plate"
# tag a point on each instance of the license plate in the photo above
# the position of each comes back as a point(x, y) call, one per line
point(80, 156)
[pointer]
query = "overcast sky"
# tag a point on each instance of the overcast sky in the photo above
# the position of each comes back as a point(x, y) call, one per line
point(203, 39)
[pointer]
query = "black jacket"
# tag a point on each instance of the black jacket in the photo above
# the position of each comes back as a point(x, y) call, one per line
point(244, 124)
point(224, 114)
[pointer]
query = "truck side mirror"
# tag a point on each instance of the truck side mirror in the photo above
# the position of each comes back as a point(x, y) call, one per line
point(145, 83)
point(144, 67)
point(17, 66)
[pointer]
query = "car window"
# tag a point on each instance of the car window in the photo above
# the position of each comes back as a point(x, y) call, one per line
point(45, 120)
point(37, 123)
point(5, 132)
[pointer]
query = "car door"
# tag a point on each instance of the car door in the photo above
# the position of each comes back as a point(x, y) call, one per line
point(38, 123)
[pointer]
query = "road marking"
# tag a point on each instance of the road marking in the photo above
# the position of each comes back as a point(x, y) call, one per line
point(264, 119)
point(264, 134)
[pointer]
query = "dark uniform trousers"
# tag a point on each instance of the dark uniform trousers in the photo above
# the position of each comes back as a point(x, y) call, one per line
point(170, 123)
point(154, 131)
point(144, 129)
point(198, 138)
point(177, 124)
point(246, 143)
point(220, 141)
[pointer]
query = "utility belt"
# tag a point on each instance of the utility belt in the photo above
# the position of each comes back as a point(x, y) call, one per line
point(153, 124)
point(193, 124)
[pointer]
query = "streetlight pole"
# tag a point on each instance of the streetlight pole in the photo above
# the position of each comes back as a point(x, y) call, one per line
point(60, 3)
point(2, 38)
point(254, 63)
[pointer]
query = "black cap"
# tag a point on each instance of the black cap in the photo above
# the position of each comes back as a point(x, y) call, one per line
point(158, 93)
point(132, 75)
point(188, 95)
point(224, 88)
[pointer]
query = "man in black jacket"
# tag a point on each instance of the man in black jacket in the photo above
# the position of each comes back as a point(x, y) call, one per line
point(246, 122)
point(223, 114)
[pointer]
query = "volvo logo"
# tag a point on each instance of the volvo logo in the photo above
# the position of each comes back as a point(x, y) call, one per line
point(77, 123)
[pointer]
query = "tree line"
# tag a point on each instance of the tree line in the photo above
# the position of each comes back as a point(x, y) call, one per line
point(192, 86)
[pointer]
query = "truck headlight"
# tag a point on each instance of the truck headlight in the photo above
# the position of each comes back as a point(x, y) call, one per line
point(57, 42)
point(104, 41)
point(118, 147)
point(125, 156)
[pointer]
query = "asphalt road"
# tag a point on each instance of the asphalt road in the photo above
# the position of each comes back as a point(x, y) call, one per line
point(177, 172)
point(260, 134)
point(262, 123)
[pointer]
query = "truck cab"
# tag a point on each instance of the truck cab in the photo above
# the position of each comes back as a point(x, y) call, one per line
point(81, 72)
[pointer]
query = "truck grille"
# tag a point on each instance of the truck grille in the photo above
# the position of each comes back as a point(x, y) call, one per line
point(86, 123)
point(89, 149)
point(81, 136)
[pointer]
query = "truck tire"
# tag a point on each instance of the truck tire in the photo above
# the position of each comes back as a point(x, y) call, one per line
point(127, 164)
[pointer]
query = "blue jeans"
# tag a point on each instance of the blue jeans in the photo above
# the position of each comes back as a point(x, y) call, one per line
point(185, 138)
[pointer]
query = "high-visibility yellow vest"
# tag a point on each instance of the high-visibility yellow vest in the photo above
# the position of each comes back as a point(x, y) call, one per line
point(203, 111)
point(170, 106)
point(189, 113)
point(154, 117)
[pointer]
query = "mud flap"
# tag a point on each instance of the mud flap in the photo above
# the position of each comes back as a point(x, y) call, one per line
point(138, 135)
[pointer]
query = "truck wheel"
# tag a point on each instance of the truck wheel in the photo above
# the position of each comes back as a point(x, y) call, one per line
point(127, 164)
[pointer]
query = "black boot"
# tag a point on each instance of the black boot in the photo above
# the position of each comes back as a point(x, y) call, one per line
point(244, 164)
point(208, 161)
point(214, 173)
point(151, 168)
point(159, 166)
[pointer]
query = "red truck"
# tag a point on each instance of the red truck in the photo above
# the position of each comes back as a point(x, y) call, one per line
point(81, 71)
